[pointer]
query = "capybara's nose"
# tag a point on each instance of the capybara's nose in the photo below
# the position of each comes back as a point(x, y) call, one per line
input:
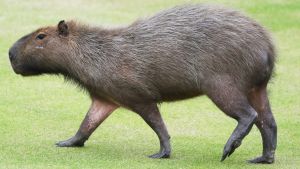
point(12, 55)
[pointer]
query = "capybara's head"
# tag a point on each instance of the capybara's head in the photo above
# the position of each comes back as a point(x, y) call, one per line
point(42, 51)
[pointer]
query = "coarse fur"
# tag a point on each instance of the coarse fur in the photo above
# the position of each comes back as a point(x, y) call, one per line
point(177, 54)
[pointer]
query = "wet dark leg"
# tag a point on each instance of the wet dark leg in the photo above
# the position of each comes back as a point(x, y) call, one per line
point(152, 117)
point(265, 123)
point(97, 113)
point(234, 103)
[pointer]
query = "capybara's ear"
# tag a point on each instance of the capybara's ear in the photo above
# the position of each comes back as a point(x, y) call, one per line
point(62, 28)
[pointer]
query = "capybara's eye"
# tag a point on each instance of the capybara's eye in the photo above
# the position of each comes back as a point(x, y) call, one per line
point(40, 36)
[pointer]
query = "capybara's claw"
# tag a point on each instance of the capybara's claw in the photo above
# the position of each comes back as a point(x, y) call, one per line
point(262, 160)
point(229, 148)
point(161, 154)
point(70, 143)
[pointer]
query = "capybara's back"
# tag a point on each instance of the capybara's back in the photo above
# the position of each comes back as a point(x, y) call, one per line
point(177, 54)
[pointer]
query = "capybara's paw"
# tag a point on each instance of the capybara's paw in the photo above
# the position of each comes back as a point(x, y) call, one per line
point(72, 142)
point(161, 154)
point(262, 160)
point(229, 148)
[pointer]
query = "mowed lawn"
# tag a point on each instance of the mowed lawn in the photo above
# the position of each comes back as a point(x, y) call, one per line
point(35, 112)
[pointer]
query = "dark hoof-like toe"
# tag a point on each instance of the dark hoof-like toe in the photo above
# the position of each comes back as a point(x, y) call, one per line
point(262, 160)
point(70, 143)
point(229, 148)
point(161, 154)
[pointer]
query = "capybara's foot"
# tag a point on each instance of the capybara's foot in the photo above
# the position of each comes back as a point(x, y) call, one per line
point(161, 154)
point(72, 142)
point(230, 147)
point(262, 160)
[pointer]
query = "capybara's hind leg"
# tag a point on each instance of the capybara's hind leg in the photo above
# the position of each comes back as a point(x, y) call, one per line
point(152, 117)
point(97, 113)
point(265, 123)
point(234, 103)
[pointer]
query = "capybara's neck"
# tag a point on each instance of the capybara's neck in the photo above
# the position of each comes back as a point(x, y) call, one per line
point(95, 52)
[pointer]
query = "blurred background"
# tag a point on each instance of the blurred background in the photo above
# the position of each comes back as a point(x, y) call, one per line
point(35, 112)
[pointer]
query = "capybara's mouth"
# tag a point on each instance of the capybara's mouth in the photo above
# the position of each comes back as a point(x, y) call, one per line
point(24, 70)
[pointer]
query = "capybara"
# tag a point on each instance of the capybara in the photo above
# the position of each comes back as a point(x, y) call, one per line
point(179, 53)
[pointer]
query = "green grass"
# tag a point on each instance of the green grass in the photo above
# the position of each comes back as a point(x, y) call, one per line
point(35, 112)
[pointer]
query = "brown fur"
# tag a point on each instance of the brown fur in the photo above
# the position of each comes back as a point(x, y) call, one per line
point(177, 54)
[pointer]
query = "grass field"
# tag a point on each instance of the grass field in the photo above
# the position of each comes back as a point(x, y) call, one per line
point(35, 112)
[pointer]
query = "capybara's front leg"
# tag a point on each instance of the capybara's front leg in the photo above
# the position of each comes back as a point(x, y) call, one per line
point(97, 113)
point(152, 117)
